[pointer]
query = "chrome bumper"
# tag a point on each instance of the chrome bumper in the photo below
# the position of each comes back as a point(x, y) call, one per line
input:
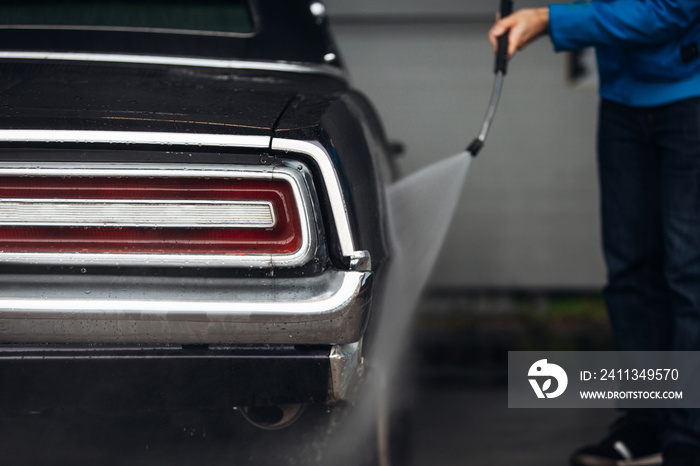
point(330, 309)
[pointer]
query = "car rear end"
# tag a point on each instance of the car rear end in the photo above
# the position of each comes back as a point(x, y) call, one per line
point(134, 263)
point(187, 218)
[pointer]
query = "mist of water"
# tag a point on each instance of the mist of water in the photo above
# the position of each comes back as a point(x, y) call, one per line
point(420, 209)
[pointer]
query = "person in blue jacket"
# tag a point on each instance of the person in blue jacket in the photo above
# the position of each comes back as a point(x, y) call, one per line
point(649, 169)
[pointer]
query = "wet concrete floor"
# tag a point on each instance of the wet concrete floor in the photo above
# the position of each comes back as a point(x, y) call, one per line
point(462, 425)
point(453, 424)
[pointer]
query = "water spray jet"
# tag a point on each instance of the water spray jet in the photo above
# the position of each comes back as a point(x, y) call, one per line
point(420, 208)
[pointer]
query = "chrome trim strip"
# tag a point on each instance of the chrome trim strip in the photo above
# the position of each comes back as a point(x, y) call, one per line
point(136, 213)
point(260, 65)
point(135, 170)
point(293, 177)
point(325, 163)
point(133, 137)
point(290, 311)
point(330, 309)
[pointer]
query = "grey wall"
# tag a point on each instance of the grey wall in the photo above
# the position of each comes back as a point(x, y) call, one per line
point(424, 8)
point(528, 215)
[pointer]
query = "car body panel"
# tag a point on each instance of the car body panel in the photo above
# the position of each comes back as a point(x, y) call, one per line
point(150, 378)
point(89, 96)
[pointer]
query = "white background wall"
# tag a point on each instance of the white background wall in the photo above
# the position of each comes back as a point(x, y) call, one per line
point(529, 212)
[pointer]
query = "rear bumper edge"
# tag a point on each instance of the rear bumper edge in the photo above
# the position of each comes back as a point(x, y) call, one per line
point(329, 309)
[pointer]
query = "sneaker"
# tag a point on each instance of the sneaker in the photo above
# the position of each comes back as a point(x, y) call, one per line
point(680, 454)
point(630, 443)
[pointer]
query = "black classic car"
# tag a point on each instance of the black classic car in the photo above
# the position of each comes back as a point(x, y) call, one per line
point(191, 207)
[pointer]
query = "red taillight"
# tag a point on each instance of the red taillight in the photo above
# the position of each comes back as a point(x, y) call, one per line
point(176, 215)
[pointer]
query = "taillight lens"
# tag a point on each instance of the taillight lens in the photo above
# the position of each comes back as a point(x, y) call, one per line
point(178, 215)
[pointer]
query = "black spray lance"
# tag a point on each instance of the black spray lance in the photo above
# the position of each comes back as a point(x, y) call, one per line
point(500, 68)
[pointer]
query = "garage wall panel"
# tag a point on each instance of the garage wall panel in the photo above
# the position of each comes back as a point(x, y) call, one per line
point(528, 217)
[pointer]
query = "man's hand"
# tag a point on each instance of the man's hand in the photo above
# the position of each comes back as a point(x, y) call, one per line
point(525, 26)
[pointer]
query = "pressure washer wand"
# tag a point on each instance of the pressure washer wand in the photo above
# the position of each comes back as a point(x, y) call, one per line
point(500, 68)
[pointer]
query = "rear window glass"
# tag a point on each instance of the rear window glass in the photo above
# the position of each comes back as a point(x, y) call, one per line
point(203, 17)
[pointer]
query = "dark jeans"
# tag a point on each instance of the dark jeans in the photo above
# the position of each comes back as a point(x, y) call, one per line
point(649, 167)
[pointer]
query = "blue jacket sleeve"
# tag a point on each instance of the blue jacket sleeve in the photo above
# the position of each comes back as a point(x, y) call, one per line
point(619, 22)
